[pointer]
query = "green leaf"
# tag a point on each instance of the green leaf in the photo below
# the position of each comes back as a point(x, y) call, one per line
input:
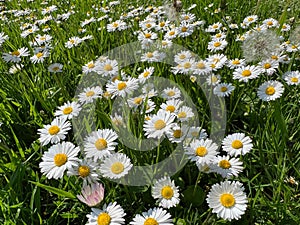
point(194, 195)
point(54, 190)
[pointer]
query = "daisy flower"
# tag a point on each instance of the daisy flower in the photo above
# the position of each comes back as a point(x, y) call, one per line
point(201, 151)
point(223, 90)
point(68, 110)
point(185, 67)
point(55, 68)
point(59, 158)
point(100, 143)
point(90, 67)
point(15, 56)
point(237, 144)
point(169, 93)
point(177, 134)
point(246, 73)
point(184, 113)
point(159, 124)
point(250, 19)
point(197, 133)
point(202, 67)
point(136, 101)
point(217, 45)
point(92, 194)
point(270, 23)
point(146, 74)
point(269, 66)
point(3, 38)
point(122, 88)
point(90, 94)
point(235, 63)
point(15, 68)
point(111, 214)
point(170, 34)
point(108, 68)
point(115, 166)
point(54, 132)
point(228, 200)
point(84, 169)
point(213, 79)
point(155, 216)
point(166, 192)
point(73, 42)
point(270, 90)
point(171, 105)
point(182, 56)
point(39, 57)
point(214, 27)
point(226, 166)
point(292, 77)
point(154, 56)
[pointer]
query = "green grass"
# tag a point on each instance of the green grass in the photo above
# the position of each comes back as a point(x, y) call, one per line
point(29, 98)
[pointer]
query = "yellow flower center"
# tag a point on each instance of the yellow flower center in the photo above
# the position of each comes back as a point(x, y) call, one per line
point(147, 35)
point(195, 133)
point(218, 35)
point(214, 79)
point(236, 144)
point(121, 86)
point(67, 110)
point(270, 23)
point(186, 17)
point(16, 53)
point(182, 115)
point(60, 159)
point(187, 65)
point(217, 44)
point(201, 151)
point(294, 79)
point(270, 90)
point(149, 55)
point(294, 46)
point(162, 24)
point(53, 130)
point(200, 65)
point(184, 29)
point(167, 192)
point(227, 200)
point(83, 171)
point(171, 32)
point(90, 94)
point(171, 93)
point(72, 41)
point(246, 73)
point(115, 24)
point(182, 56)
point(138, 100)
point(91, 65)
point(150, 221)
point(215, 26)
point(103, 219)
point(146, 74)
point(117, 168)
point(177, 133)
point(148, 25)
point(267, 66)
point(236, 62)
point(224, 164)
point(250, 19)
point(39, 55)
point(159, 124)
point(223, 89)
point(170, 108)
point(274, 57)
point(55, 68)
point(101, 144)
point(108, 67)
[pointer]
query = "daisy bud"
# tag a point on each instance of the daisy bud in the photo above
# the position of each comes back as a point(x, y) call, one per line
point(92, 194)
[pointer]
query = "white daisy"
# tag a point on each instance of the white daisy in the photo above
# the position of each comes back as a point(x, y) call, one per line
point(15, 56)
point(155, 216)
point(177, 134)
point(235, 63)
point(146, 74)
point(111, 214)
point(228, 200)
point(39, 57)
point(197, 133)
point(54, 132)
point(269, 66)
point(226, 166)
point(171, 105)
point(202, 67)
point(245, 73)
point(86, 170)
point(213, 79)
point(217, 45)
point(68, 110)
point(270, 90)
point(59, 158)
point(237, 144)
point(292, 77)
point(73, 42)
point(166, 192)
point(202, 151)
point(108, 68)
point(122, 87)
point(115, 166)
point(182, 56)
point(55, 68)
point(90, 67)
point(92, 194)
point(100, 143)
point(90, 94)
point(223, 89)
point(159, 124)
point(184, 113)
point(169, 93)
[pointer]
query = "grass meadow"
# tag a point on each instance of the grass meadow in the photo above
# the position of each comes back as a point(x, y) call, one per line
point(236, 66)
